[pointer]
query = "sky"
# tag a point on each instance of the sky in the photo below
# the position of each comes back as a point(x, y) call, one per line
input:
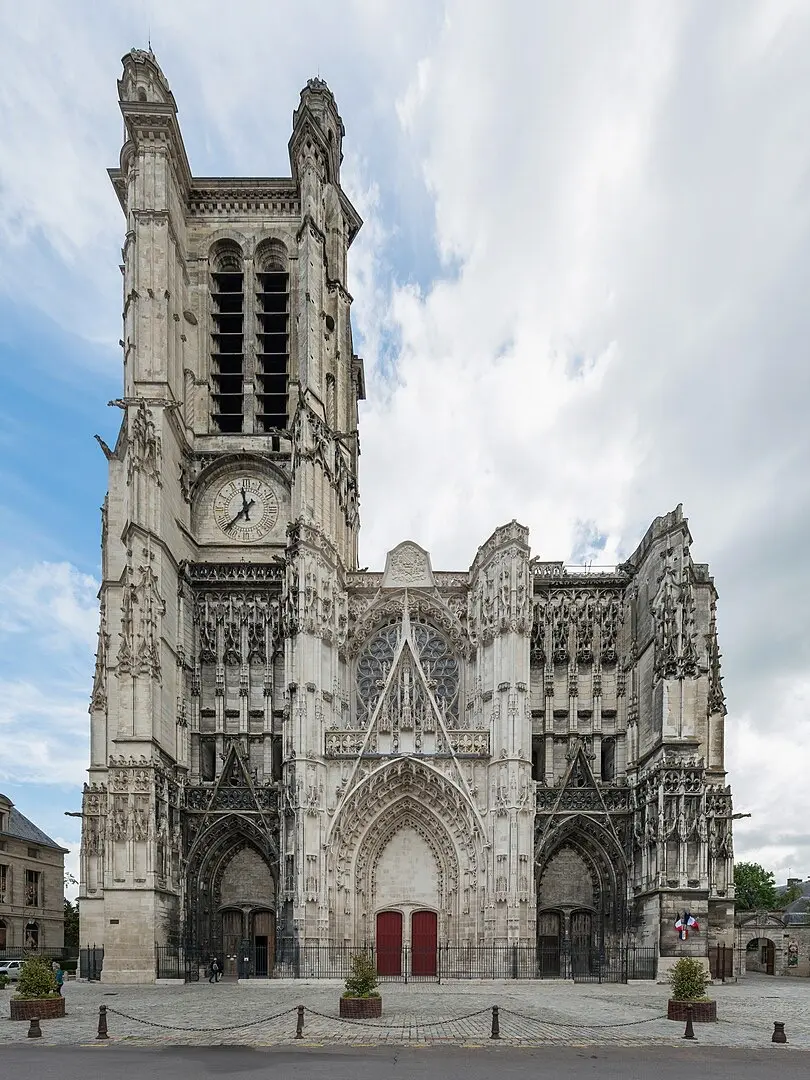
point(581, 293)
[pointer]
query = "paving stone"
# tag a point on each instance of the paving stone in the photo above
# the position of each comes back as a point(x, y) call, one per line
point(531, 1013)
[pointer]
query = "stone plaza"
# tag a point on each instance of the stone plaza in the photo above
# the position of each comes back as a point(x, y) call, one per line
point(459, 1012)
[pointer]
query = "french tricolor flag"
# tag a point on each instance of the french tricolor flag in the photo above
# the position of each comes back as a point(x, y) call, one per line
point(685, 923)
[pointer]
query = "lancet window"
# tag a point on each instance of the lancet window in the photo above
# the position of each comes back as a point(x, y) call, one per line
point(250, 386)
point(228, 339)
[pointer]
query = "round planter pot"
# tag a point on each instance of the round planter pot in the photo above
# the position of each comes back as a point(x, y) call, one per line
point(703, 1012)
point(43, 1008)
point(360, 1008)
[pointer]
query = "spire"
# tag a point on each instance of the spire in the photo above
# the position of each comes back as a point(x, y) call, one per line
point(143, 81)
point(317, 118)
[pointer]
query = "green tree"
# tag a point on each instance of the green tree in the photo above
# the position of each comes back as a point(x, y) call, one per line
point(754, 886)
point(71, 924)
point(362, 982)
point(37, 979)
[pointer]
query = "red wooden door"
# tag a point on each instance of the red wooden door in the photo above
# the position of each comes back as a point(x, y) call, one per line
point(423, 943)
point(389, 943)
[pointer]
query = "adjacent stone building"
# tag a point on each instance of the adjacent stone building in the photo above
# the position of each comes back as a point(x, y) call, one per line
point(32, 885)
point(287, 750)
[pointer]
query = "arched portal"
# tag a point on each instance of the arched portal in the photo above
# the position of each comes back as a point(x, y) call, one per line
point(231, 896)
point(582, 897)
point(408, 840)
point(760, 956)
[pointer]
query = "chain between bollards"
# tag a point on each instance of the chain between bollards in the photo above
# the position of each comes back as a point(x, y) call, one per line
point(299, 1027)
point(779, 1035)
point(496, 1024)
point(34, 1030)
point(689, 1033)
point(102, 1022)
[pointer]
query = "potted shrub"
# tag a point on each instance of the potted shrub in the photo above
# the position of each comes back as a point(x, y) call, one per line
point(36, 992)
point(688, 980)
point(361, 999)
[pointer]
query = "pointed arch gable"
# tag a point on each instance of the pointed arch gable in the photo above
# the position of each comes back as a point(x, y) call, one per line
point(380, 787)
point(405, 813)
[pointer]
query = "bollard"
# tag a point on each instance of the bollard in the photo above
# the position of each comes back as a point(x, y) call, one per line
point(689, 1033)
point(102, 1022)
point(496, 1024)
point(299, 1028)
point(779, 1035)
point(34, 1030)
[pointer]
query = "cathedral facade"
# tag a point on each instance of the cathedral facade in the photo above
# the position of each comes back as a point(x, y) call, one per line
point(289, 751)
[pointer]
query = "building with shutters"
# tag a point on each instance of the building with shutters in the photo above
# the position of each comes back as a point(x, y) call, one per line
point(32, 886)
point(290, 752)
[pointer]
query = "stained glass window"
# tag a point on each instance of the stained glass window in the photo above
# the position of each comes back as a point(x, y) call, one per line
point(440, 667)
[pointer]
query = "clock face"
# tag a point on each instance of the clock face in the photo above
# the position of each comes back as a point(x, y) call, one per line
point(246, 509)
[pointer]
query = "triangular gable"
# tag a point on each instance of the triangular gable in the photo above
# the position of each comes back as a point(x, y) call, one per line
point(579, 793)
point(407, 702)
point(235, 776)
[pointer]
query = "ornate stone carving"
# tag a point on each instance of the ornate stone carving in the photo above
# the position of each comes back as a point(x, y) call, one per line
point(673, 611)
point(408, 566)
point(144, 445)
point(98, 698)
point(717, 698)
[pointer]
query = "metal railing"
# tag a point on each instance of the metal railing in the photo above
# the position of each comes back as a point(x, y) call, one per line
point(91, 962)
point(21, 952)
point(320, 961)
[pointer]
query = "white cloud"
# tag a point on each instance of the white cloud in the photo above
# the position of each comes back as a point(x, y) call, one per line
point(45, 735)
point(52, 601)
point(581, 289)
point(48, 627)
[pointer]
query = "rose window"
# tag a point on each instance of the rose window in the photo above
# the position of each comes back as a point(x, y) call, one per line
point(440, 667)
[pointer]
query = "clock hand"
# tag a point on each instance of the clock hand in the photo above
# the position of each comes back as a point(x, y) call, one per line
point(244, 512)
point(234, 520)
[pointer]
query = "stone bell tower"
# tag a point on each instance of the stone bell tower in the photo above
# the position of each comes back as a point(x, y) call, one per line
point(239, 430)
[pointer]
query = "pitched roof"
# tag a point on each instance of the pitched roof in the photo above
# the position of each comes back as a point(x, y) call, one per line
point(22, 829)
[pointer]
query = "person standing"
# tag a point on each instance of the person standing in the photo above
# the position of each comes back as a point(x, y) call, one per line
point(60, 978)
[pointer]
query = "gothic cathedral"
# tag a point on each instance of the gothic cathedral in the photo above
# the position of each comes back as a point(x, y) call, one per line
point(290, 752)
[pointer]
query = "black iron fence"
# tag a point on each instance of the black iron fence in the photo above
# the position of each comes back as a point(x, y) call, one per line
point(178, 962)
point(721, 961)
point(91, 962)
point(318, 961)
point(22, 953)
point(617, 964)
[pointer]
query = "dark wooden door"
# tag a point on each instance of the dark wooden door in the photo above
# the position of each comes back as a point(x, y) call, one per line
point(548, 943)
point(424, 938)
point(264, 942)
point(770, 957)
point(231, 938)
point(389, 943)
point(581, 942)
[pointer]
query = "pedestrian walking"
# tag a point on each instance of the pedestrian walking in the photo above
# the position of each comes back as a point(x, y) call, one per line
point(60, 978)
point(213, 970)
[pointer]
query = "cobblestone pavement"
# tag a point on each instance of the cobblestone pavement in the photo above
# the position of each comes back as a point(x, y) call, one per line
point(262, 1013)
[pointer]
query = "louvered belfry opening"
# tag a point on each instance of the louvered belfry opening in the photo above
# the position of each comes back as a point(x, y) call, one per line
point(228, 341)
point(273, 341)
